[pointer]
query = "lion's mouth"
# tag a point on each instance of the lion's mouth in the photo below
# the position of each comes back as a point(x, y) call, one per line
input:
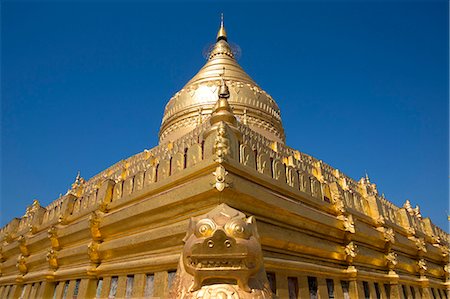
point(211, 263)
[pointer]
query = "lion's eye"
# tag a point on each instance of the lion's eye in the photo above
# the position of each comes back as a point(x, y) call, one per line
point(205, 228)
point(238, 229)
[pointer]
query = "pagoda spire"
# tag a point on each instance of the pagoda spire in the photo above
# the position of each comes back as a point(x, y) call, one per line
point(222, 110)
point(224, 92)
point(222, 34)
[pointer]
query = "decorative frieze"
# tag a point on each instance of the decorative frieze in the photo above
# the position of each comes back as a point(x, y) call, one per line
point(316, 189)
point(278, 171)
point(193, 155)
point(247, 156)
point(163, 169)
point(263, 165)
point(305, 182)
point(292, 177)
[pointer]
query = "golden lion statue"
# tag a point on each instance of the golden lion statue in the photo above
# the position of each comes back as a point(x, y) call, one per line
point(221, 258)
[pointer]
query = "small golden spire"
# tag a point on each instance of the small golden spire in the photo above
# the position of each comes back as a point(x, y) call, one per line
point(367, 177)
point(223, 90)
point(222, 110)
point(222, 34)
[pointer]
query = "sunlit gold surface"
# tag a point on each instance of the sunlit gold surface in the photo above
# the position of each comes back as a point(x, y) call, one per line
point(312, 220)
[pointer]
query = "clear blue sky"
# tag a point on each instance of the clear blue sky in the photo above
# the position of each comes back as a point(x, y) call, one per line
point(362, 86)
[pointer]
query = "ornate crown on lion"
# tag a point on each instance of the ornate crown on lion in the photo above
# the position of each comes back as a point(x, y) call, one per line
point(221, 258)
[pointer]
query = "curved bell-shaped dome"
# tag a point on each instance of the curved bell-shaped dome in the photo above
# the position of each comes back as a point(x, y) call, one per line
point(194, 103)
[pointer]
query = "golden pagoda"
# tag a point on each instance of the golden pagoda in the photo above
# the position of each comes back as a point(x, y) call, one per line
point(222, 208)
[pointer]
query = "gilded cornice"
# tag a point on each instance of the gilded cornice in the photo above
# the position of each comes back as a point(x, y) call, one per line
point(346, 197)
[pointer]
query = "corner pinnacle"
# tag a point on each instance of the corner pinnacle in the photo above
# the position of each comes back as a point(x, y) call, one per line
point(224, 92)
point(222, 110)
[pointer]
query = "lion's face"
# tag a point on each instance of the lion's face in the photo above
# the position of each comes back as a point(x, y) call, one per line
point(222, 247)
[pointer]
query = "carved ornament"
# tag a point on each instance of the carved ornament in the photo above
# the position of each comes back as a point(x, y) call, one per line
point(61, 219)
point(349, 224)
point(53, 236)
point(447, 269)
point(410, 232)
point(221, 143)
point(221, 258)
point(389, 235)
point(21, 264)
point(263, 164)
point(408, 207)
point(7, 238)
point(420, 244)
point(380, 221)
point(351, 251)
point(94, 225)
point(220, 175)
point(445, 251)
point(51, 259)
point(124, 173)
point(93, 252)
point(31, 228)
point(23, 246)
point(435, 240)
point(77, 187)
point(391, 260)
point(31, 210)
point(422, 266)
point(416, 212)
point(337, 198)
point(317, 171)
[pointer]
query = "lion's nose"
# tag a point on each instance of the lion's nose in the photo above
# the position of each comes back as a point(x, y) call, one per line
point(219, 240)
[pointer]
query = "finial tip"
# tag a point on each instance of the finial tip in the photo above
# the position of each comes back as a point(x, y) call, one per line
point(222, 34)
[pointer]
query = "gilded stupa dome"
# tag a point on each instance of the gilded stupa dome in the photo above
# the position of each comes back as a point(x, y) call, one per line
point(194, 103)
